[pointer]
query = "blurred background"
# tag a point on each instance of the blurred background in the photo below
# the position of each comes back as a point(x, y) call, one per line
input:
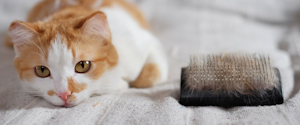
point(207, 26)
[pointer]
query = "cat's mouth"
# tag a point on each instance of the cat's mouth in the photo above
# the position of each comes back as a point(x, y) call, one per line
point(68, 105)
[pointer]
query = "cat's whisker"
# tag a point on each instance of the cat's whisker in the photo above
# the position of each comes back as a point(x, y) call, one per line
point(36, 46)
point(37, 54)
point(78, 37)
point(41, 50)
point(41, 56)
point(41, 44)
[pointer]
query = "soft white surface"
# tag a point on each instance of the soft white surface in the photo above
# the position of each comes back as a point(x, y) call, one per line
point(184, 27)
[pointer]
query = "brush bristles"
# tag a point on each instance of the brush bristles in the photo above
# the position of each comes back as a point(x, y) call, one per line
point(243, 73)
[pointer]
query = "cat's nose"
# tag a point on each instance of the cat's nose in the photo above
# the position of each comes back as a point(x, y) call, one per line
point(64, 96)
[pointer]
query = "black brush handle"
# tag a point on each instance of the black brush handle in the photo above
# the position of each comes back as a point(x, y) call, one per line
point(210, 98)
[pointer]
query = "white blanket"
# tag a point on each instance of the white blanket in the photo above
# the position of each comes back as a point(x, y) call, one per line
point(184, 27)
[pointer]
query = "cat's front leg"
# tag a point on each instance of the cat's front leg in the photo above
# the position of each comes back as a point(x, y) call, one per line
point(155, 69)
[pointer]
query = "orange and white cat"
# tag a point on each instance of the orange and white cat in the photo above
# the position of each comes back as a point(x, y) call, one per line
point(71, 49)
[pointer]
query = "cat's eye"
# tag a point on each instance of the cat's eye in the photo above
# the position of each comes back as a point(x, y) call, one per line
point(82, 66)
point(42, 71)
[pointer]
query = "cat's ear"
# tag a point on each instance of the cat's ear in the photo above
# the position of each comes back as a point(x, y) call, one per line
point(97, 25)
point(20, 32)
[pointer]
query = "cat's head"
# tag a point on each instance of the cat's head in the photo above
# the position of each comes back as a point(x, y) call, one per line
point(65, 61)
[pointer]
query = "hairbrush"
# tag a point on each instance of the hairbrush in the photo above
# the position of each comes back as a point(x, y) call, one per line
point(229, 80)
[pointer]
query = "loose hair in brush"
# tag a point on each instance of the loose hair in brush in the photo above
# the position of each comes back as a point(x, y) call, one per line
point(247, 77)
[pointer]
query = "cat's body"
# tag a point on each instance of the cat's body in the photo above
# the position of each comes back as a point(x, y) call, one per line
point(115, 44)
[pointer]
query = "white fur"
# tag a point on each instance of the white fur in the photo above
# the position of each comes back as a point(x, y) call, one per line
point(60, 64)
point(135, 47)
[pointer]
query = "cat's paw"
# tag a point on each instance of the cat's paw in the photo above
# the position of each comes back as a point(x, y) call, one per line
point(123, 85)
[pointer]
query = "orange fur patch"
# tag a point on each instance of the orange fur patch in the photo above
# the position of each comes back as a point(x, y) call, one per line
point(75, 87)
point(102, 57)
point(46, 8)
point(72, 98)
point(30, 57)
point(149, 75)
point(41, 10)
point(51, 93)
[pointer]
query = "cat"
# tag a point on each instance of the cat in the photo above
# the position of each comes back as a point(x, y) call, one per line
point(69, 50)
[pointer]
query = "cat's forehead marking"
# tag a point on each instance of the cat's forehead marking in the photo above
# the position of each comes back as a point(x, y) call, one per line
point(59, 54)
point(60, 62)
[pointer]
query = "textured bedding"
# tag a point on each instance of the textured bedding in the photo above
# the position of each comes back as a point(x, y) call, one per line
point(184, 27)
